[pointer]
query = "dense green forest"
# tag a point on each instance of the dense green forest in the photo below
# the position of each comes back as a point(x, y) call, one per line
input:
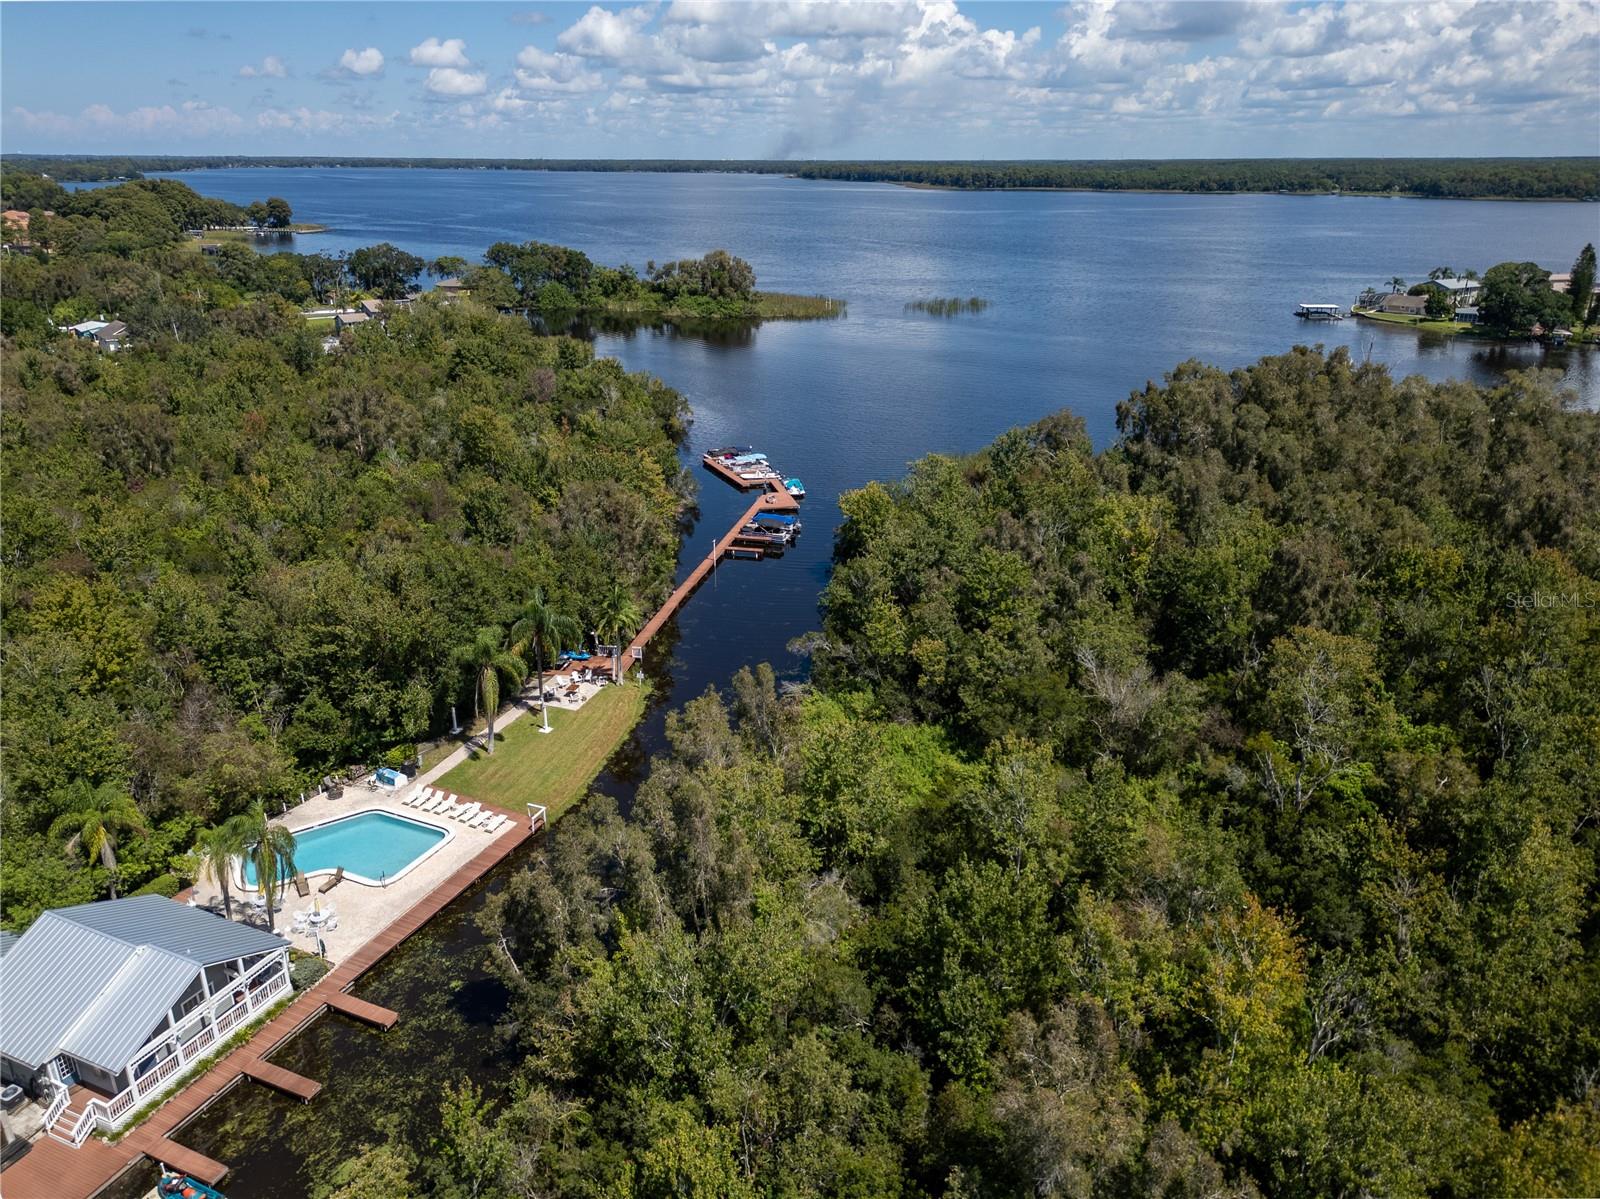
point(1213, 816)
point(236, 560)
point(1453, 178)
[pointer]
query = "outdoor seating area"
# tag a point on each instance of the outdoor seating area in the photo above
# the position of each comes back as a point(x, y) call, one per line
point(471, 814)
point(340, 913)
point(574, 683)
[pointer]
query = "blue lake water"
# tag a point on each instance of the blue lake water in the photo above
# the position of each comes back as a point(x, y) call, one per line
point(375, 845)
point(1090, 297)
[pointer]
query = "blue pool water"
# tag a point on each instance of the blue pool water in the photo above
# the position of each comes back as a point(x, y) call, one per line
point(375, 845)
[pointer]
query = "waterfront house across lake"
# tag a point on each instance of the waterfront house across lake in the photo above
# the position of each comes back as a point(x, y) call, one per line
point(349, 320)
point(1403, 305)
point(1460, 291)
point(105, 1003)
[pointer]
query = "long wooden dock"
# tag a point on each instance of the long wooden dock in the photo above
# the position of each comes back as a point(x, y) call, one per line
point(51, 1170)
point(773, 499)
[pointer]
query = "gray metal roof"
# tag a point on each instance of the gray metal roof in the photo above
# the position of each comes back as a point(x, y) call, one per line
point(47, 980)
point(7, 940)
point(194, 933)
point(95, 979)
point(132, 1006)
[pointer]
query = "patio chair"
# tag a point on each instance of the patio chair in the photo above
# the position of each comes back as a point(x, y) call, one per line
point(469, 812)
point(433, 803)
point(499, 822)
point(483, 819)
point(301, 887)
point(331, 923)
point(299, 923)
point(333, 881)
point(452, 805)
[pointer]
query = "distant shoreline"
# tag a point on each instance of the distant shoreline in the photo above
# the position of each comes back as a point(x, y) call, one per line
point(1568, 179)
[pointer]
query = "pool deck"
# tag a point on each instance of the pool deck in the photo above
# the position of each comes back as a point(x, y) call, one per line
point(51, 1170)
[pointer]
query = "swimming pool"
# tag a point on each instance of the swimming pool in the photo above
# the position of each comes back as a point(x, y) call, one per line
point(373, 846)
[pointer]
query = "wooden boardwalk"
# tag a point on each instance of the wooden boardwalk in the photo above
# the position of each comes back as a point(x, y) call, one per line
point(774, 499)
point(296, 1085)
point(51, 1170)
point(362, 1010)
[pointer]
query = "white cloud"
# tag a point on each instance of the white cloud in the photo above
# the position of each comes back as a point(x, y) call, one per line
point(270, 67)
point(542, 71)
point(434, 53)
point(321, 120)
point(447, 81)
point(601, 33)
point(191, 118)
point(364, 63)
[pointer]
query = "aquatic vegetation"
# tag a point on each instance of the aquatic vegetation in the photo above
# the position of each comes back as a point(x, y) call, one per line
point(948, 306)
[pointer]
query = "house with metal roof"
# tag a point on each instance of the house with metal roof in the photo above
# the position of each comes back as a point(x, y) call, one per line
point(102, 1005)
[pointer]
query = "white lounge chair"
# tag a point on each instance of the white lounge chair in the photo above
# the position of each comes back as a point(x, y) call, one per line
point(455, 805)
point(299, 922)
point(436, 804)
point(498, 823)
point(484, 818)
point(416, 797)
point(430, 797)
point(468, 812)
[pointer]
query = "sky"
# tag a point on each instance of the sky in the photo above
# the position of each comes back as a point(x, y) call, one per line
point(803, 79)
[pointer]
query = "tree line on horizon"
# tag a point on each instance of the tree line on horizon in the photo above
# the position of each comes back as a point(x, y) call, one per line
point(1573, 178)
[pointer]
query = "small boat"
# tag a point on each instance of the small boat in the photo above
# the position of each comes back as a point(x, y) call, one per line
point(778, 520)
point(182, 1186)
point(795, 488)
point(1320, 312)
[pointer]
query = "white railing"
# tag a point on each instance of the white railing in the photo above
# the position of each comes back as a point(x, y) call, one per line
point(58, 1104)
point(260, 986)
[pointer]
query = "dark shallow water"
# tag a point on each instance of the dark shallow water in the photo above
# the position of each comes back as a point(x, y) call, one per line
point(1089, 297)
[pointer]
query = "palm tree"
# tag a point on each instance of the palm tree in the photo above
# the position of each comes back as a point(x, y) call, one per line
point(215, 849)
point(1397, 283)
point(618, 617)
point(271, 849)
point(540, 626)
point(488, 659)
point(95, 818)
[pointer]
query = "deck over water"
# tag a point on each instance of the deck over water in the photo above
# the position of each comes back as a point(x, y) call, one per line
point(51, 1170)
point(775, 499)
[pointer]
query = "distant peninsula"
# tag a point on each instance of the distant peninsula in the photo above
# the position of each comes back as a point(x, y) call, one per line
point(1576, 178)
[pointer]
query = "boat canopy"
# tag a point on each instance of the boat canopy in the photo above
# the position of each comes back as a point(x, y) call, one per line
point(746, 459)
point(776, 518)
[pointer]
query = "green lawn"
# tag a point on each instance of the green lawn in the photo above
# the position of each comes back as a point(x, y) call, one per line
point(553, 769)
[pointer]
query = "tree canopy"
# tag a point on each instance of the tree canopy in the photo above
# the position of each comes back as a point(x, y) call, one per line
point(1214, 815)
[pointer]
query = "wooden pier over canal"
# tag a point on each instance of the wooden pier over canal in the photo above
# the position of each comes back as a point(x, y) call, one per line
point(52, 1170)
point(773, 499)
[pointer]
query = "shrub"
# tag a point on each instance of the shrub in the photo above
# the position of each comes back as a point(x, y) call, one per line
point(162, 884)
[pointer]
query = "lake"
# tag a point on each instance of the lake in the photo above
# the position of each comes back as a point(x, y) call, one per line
point(1090, 296)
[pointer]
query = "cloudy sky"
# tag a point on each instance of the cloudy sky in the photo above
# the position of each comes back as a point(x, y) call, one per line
point(804, 78)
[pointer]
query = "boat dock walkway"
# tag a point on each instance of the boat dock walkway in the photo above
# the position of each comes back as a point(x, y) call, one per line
point(773, 499)
point(52, 1170)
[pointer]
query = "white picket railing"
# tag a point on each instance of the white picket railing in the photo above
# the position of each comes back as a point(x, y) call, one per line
point(260, 986)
